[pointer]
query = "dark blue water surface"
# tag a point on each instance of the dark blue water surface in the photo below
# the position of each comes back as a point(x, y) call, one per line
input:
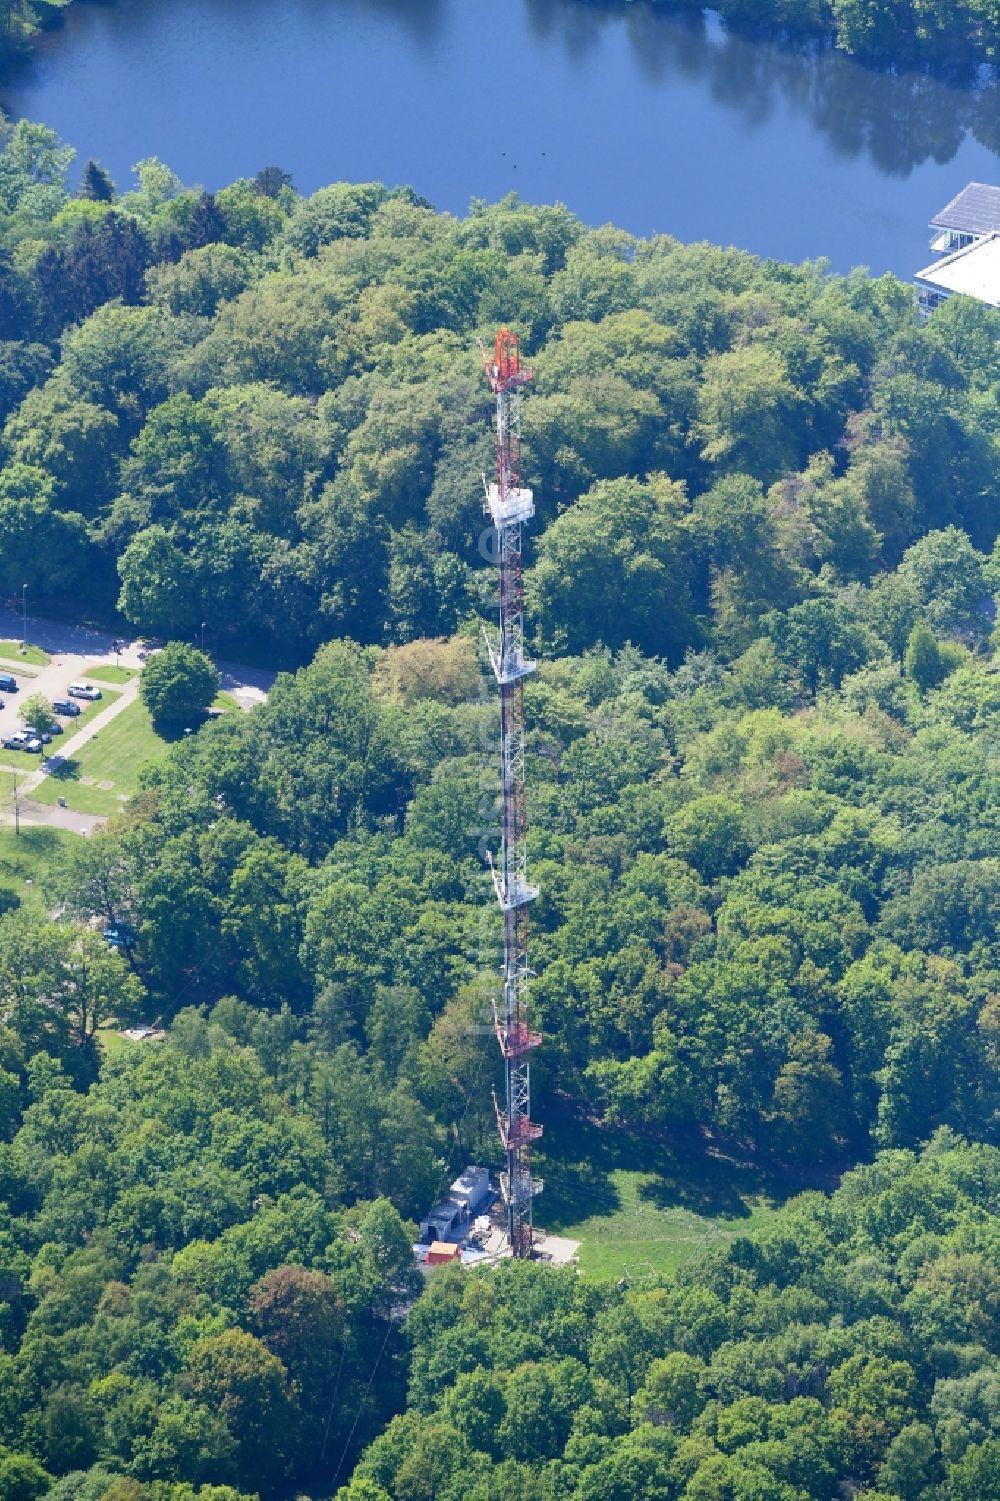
point(653, 121)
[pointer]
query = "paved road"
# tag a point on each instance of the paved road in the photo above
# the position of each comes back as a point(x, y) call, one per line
point(58, 638)
point(73, 647)
point(51, 681)
point(248, 685)
point(52, 816)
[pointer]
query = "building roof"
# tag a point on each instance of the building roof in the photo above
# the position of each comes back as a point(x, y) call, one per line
point(471, 1184)
point(444, 1250)
point(973, 271)
point(974, 211)
point(443, 1213)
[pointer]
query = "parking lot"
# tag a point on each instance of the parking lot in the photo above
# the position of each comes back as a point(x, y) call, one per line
point(80, 654)
point(30, 772)
point(51, 681)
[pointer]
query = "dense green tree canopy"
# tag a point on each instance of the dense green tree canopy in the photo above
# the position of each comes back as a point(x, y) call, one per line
point(763, 763)
point(266, 412)
point(178, 683)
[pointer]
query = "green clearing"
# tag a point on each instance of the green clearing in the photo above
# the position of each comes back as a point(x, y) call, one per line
point(111, 1040)
point(223, 702)
point(640, 1237)
point(639, 1207)
point(113, 1044)
point(32, 655)
point(105, 673)
point(102, 774)
point(34, 855)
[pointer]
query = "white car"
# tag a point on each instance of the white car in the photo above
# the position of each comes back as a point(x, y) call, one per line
point(83, 690)
point(21, 740)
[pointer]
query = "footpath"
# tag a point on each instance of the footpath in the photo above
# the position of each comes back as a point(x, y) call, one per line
point(73, 743)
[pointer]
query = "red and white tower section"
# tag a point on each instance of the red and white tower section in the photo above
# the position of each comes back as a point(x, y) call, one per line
point(509, 505)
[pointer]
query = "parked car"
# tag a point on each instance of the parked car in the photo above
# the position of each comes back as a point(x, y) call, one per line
point(65, 706)
point(22, 741)
point(36, 734)
point(83, 690)
point(119, 936)
point(7, 683)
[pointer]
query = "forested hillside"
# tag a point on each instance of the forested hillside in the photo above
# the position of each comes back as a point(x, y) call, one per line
point(264, 413)
point(763, 797)
point(852, 1350)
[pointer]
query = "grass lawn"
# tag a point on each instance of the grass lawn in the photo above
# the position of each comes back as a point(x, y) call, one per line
point(639, 1206)
point(223, 702)
point(34, 855)
point(111, 1040)
point(113, 1044)
point(640, 1237)
point(103, 673)
point(102, 775)
point(23, 761)
point(33, 655)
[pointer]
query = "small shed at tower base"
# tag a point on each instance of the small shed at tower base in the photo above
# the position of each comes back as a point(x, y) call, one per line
point(443, 1251)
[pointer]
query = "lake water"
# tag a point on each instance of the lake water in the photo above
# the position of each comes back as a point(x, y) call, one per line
point(655, 122)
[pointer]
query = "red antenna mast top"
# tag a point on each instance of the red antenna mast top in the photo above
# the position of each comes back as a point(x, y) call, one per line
point(504, 371)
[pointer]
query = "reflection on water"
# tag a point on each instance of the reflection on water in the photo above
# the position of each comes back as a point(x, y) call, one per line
point(897, 120)
point(622, 110)
point(421, 20)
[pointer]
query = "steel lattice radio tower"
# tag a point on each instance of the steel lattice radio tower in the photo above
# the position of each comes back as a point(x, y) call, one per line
point(509, 504)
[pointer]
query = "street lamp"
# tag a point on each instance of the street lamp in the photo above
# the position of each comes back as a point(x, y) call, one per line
point(203, 635)
point(24, 619)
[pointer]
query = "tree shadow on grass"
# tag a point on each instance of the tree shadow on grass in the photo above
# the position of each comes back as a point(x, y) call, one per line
point(38, 841)
point(692, 1172)
point(172, 730)
point(575, 1188)
point(715, 1181)
point(61, 770)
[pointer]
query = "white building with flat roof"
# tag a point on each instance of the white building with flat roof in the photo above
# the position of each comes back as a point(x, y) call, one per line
point(472, 1190)
point(966, 237)
point(971, 271)
point(468, 1195)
